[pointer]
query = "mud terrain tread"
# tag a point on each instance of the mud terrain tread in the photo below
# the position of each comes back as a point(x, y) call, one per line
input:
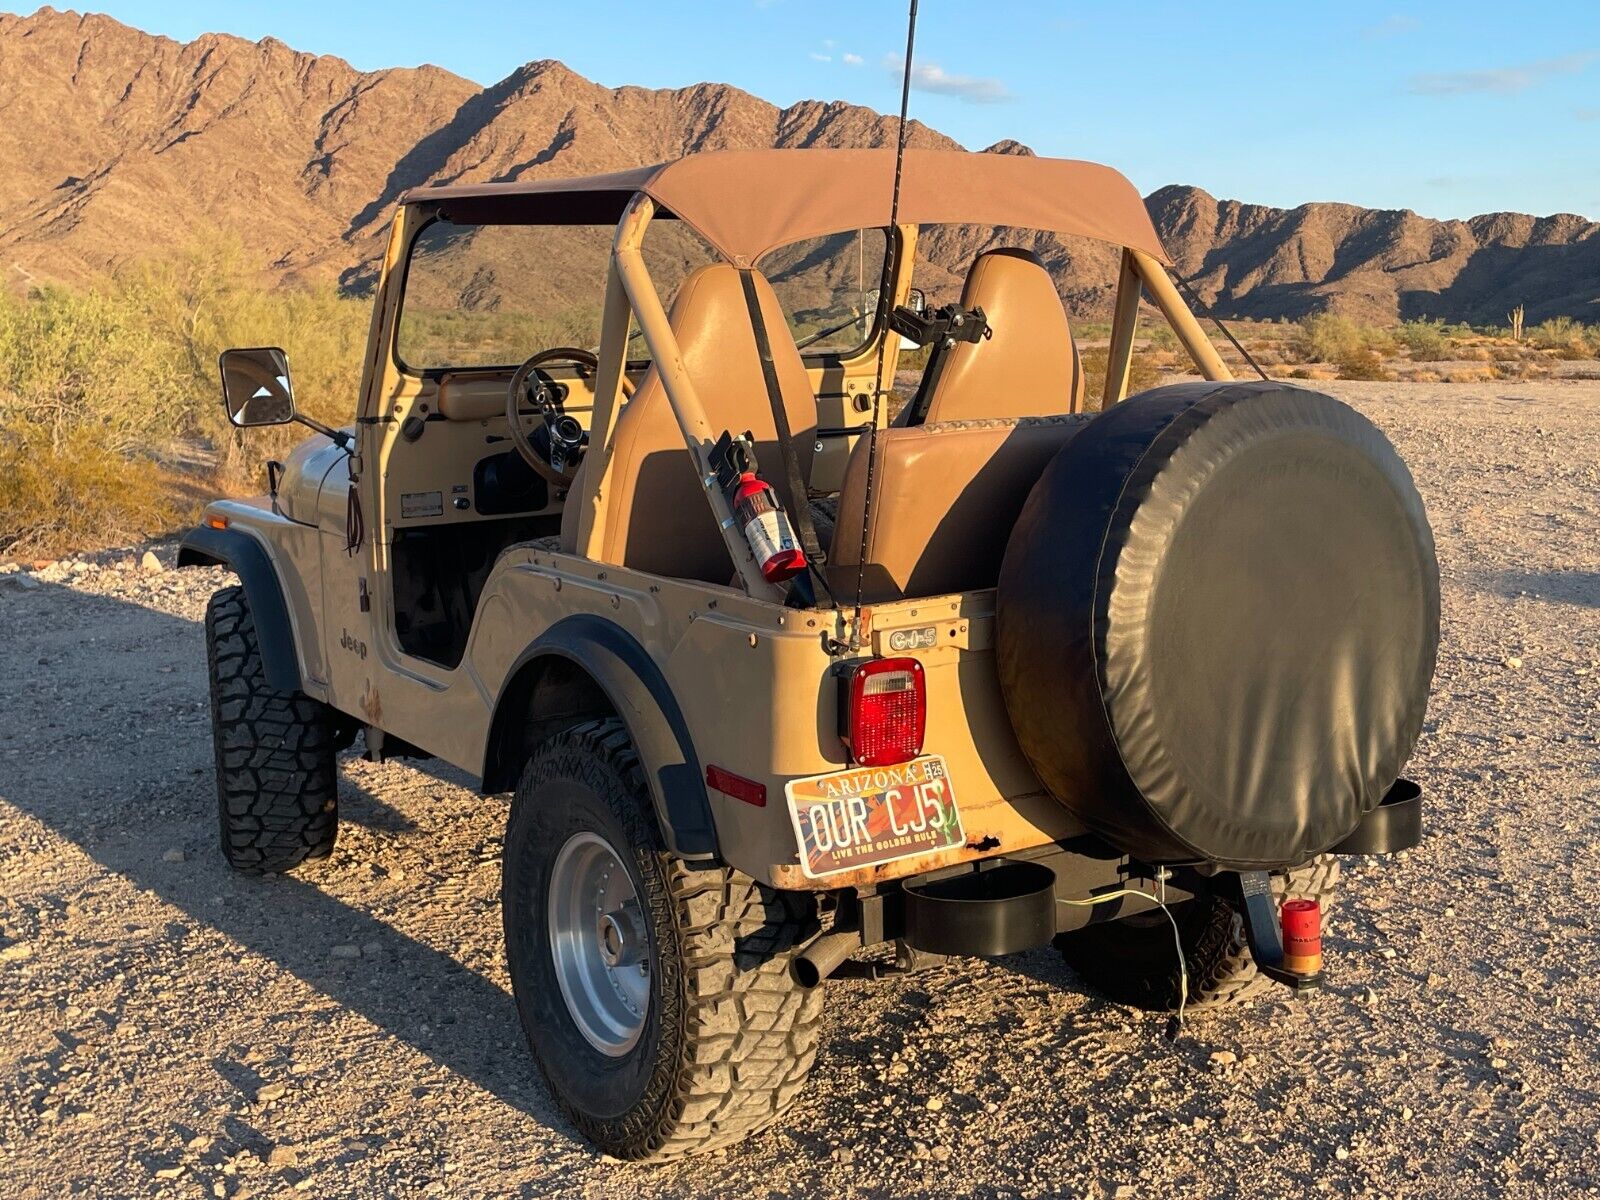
point(1137, 965)
point(738, 1034)
point(750, 1036)
point(277, 779)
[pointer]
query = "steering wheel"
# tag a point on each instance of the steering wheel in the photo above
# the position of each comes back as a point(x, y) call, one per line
point(555, 447)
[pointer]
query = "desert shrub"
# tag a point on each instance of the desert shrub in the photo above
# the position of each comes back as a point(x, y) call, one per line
point(1145, 371)
point(69, 359)
point(1323, 338)
point(1565, 338)
point(1555, 333)
point(96, 384)
point(1327, 337)
point(61, 491)
point(1358, 362)
point(1160, 336)
point(210, 296)
point(1426, 341)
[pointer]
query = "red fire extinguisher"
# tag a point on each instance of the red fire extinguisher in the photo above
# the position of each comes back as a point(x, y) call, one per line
point(767, 529)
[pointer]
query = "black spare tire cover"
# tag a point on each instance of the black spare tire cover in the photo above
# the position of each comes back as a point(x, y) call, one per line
point(1218, 618)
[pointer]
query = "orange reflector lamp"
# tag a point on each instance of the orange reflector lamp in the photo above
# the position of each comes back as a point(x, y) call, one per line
point(737, 786)
point(1302, 937)
point(216, 521)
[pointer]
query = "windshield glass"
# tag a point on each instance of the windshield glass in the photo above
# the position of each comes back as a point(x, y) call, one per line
point(487, 296)
point(828, 287)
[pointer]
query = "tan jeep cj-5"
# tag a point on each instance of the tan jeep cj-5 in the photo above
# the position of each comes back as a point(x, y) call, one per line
point(794, 676)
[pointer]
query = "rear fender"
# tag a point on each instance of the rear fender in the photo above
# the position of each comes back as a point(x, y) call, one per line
point(205, 546)
point(585, 666)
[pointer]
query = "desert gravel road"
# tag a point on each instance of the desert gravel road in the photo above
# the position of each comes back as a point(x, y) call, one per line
point(168, 1028)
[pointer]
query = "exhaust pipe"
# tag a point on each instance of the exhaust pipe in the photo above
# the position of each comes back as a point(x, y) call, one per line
point(823, 956)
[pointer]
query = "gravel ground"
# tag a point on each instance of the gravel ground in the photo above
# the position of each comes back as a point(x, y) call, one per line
point(168, 1028)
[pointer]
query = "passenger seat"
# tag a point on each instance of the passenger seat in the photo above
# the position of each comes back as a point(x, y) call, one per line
point(1029, 366)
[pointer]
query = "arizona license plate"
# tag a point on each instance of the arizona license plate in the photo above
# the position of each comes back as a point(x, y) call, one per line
point(867, 815)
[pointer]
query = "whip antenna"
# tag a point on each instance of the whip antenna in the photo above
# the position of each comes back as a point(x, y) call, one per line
point(886, 298)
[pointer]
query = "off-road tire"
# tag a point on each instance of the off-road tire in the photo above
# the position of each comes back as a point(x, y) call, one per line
point(729, 1037)
point(277, 780)
point(1134, 961)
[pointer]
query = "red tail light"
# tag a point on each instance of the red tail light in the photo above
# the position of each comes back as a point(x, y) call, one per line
point(887, 699)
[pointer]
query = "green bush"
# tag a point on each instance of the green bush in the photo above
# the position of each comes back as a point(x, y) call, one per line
point(1325, 337)
point(1566, 337)
point(1426, 341)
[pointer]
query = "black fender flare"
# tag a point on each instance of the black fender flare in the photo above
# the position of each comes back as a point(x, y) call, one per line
point(638, 693)
point(206, 546)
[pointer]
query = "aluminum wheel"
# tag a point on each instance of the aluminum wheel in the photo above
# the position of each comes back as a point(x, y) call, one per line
point(599, 941)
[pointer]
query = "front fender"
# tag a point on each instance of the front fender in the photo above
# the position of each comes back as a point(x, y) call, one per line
point(638, 693)
point(205, 546)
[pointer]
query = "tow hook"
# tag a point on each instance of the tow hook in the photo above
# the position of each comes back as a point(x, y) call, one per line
point(1290, 952)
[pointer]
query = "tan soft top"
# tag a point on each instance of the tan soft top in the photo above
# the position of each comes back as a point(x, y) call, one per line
point(747, 202)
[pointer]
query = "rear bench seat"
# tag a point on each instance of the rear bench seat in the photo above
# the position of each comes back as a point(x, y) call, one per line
point(945, 497)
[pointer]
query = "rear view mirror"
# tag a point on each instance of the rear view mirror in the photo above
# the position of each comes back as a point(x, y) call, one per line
point(255, 386)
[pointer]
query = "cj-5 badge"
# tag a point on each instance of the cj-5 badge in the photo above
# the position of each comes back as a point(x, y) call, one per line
point(924, 637)
point(867, 815)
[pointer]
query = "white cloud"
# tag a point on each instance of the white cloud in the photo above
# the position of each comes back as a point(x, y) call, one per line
point(1499, 80)
point(815, 57)
point(931, 77)
point(1392, 26)
point(852, 60)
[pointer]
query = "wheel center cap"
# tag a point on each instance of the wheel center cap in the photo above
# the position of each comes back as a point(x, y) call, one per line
point(619, 939)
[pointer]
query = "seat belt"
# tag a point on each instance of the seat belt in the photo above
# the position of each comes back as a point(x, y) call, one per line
point(803, 524)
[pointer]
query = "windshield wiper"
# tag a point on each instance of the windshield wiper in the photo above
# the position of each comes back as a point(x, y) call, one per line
point(829, 332)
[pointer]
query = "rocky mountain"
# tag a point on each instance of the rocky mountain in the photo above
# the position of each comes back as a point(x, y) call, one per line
point(1379, 265)
point(115, 143)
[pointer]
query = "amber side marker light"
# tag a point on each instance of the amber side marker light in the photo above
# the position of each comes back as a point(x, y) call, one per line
point(887, 703)
point(217, 522)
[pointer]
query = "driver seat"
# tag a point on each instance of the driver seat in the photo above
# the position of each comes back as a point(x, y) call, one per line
point(659, 520)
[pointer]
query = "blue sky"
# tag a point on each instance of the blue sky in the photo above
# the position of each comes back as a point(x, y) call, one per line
point(1447, 108)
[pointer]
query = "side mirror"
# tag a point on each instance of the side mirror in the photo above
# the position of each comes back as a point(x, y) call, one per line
point(917, 301)
point(255, 386)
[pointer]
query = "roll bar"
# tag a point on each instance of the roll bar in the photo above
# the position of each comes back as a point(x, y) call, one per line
point(631, 292)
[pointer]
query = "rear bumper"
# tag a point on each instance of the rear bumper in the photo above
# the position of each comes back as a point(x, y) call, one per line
point(1396, 824)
